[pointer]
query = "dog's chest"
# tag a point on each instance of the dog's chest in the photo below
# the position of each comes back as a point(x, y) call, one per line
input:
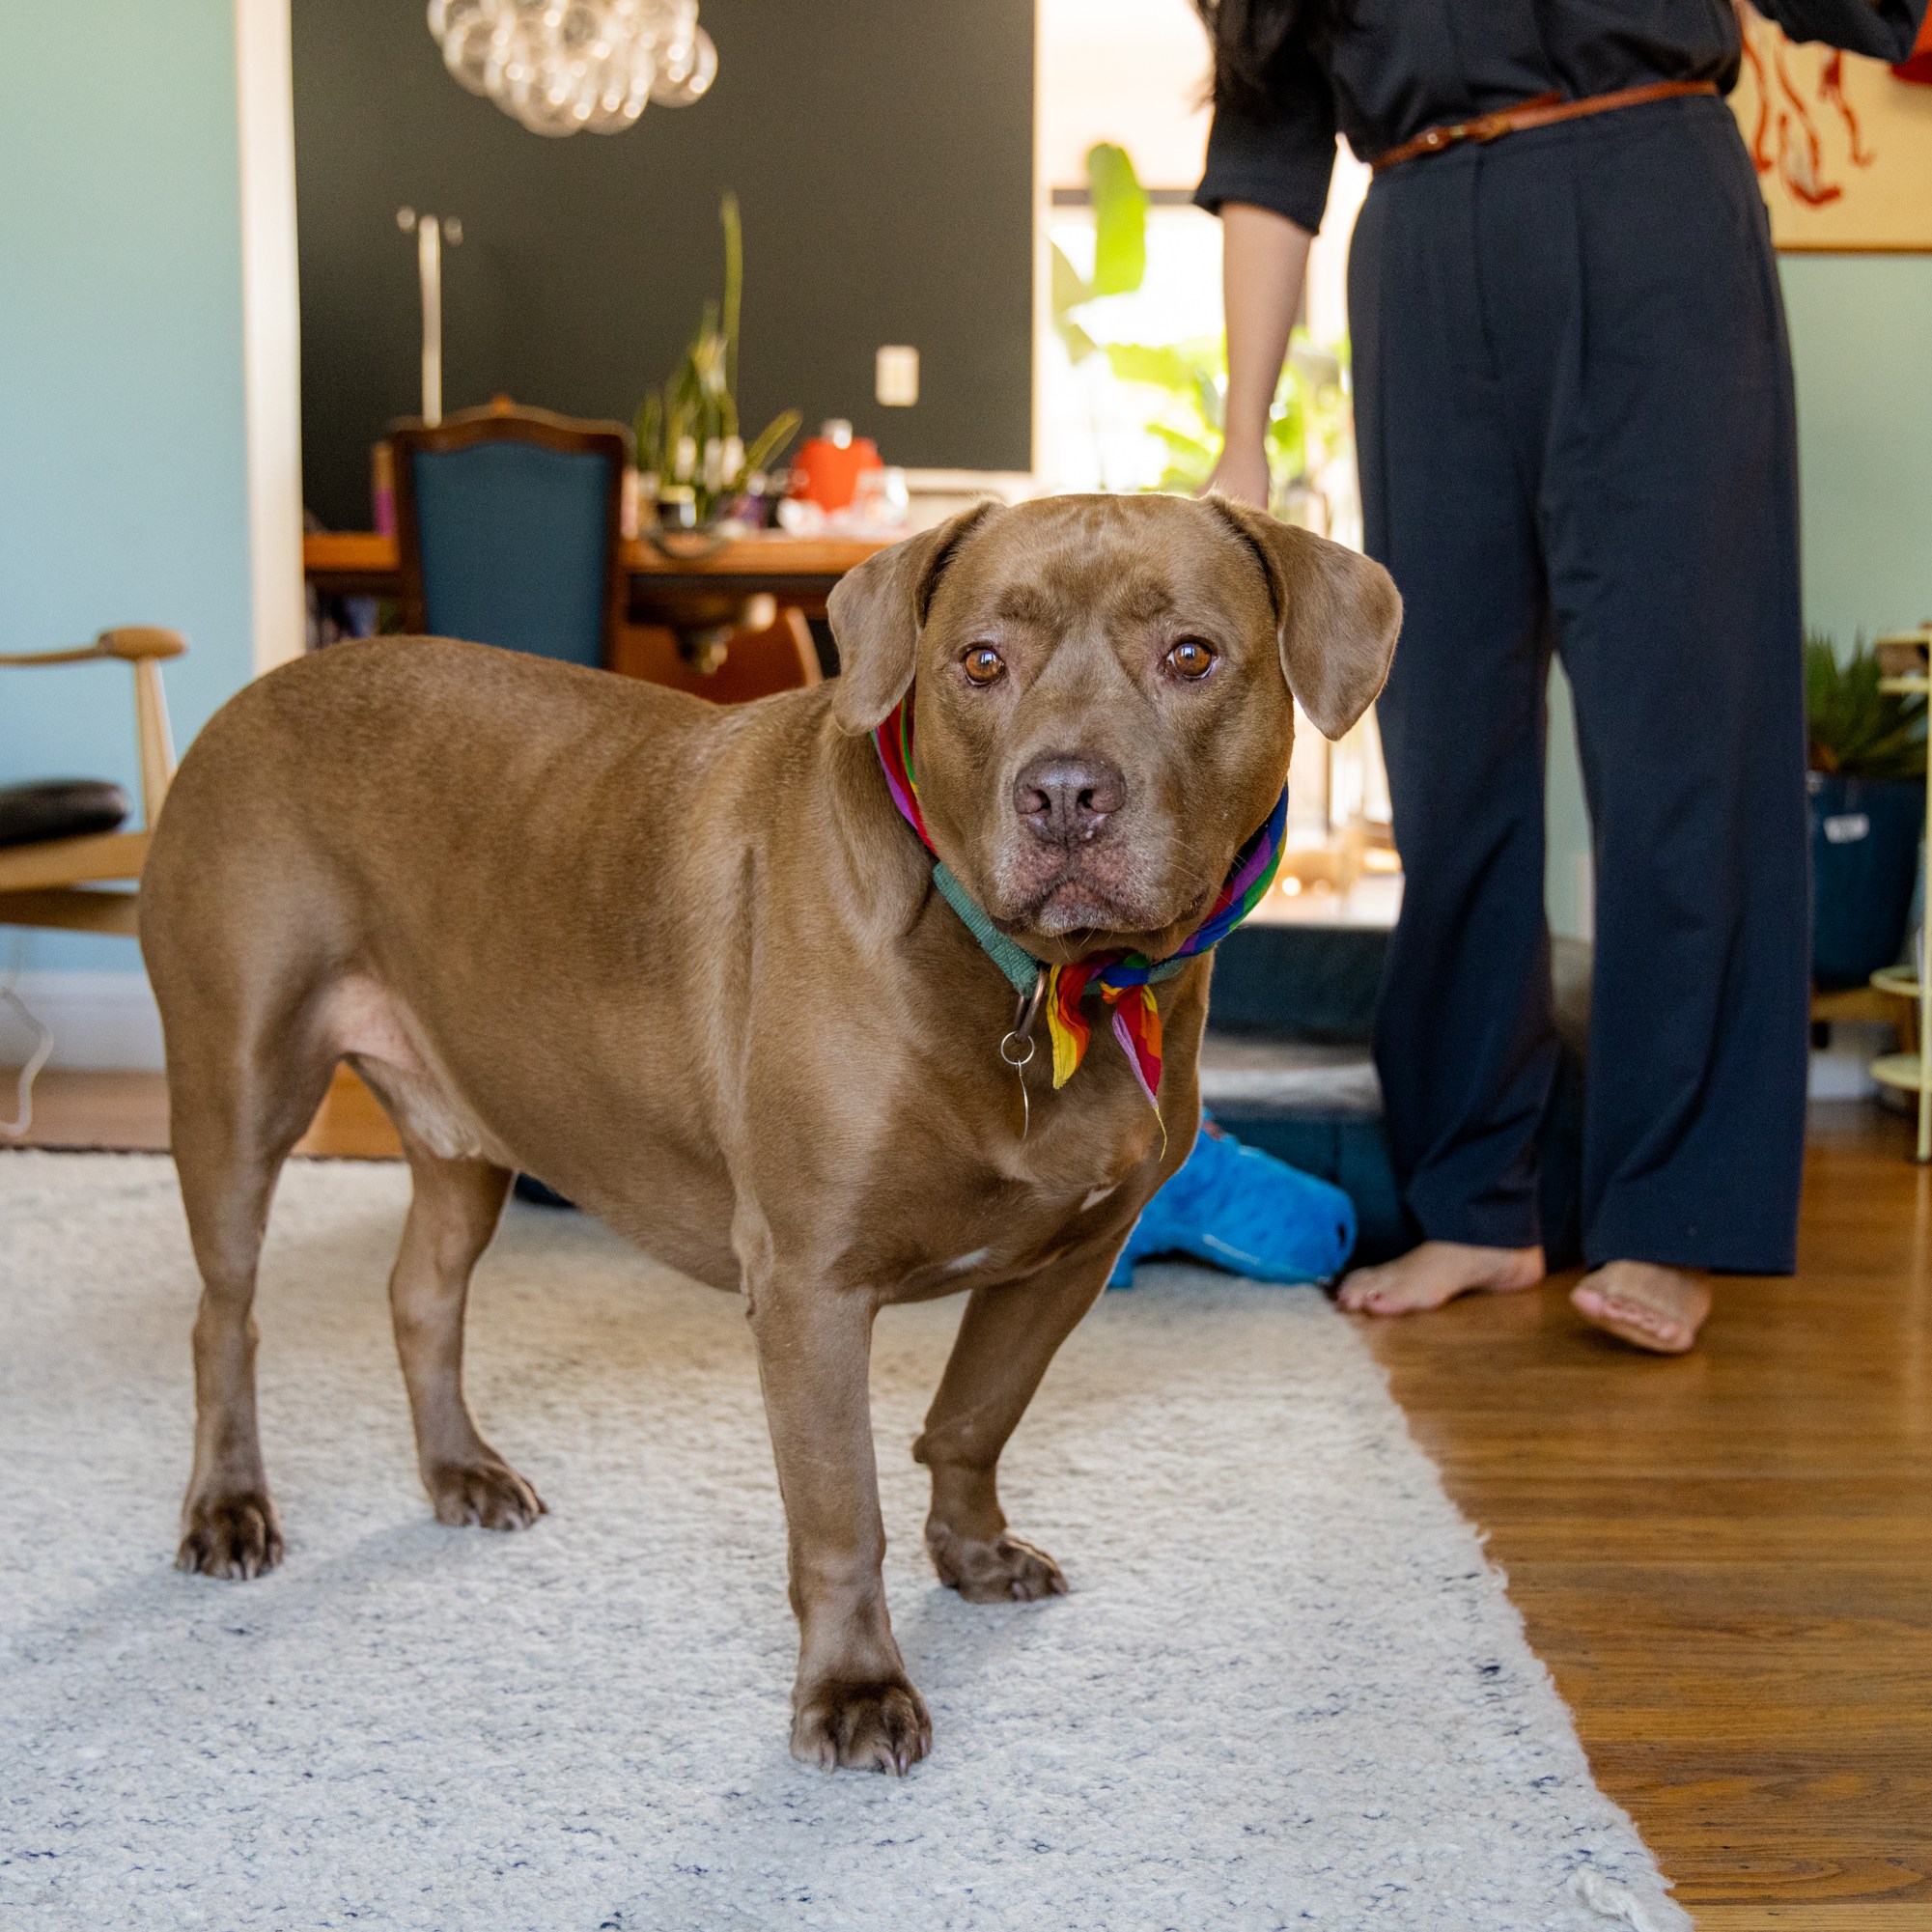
point(1011, 1206)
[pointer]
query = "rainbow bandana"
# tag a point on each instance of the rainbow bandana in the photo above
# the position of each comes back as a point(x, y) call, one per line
point(1123, 980)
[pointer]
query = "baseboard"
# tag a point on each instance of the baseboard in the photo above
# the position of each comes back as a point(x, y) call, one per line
point(109, 1020)
point(98, 1019)
point(1842, 1070)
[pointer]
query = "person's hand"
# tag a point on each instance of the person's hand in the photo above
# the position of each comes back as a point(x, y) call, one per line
point(1241, 473)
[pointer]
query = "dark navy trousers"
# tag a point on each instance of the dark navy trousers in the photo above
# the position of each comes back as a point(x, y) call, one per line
point(1574, 417)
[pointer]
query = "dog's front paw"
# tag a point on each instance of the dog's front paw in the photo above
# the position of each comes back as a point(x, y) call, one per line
point(488, 1494)
point(235, 1535)
point(879, 1726)
point(1004, 1571)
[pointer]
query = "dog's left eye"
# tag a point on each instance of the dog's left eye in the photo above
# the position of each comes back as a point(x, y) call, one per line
point(1190, 658)
point(983, 665)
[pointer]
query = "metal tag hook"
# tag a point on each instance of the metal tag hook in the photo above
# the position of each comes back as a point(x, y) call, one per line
point(1016, 1048)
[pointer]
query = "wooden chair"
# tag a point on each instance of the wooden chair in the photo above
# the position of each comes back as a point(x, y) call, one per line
point(508, 530)
point(56, 882)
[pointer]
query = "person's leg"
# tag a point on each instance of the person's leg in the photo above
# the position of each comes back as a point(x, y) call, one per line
point(1464, 1040)
point(1670, 520)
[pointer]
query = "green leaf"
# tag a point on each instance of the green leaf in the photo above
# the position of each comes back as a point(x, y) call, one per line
point(649, 429)
point(1209, 403)
point(1079, 344)
point(1185, 479)
point(1120, 220)
point(734, 302)
point(1182, 445)
point(1161, 367)
point(772, 439)
point(1853, 727)
point(1069, 288)
point(1288, 432)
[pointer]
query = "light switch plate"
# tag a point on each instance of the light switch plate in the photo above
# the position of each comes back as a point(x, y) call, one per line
point(896, 376)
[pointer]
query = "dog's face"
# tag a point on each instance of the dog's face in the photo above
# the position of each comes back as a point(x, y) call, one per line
point(1102, 709)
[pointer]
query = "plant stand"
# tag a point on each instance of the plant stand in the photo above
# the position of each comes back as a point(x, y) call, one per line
point(1912, 1072)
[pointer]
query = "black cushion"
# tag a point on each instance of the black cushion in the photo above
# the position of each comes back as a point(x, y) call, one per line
point(1300, 982)
point(60, 808)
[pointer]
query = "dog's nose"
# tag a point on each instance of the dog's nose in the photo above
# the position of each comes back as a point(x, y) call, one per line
point(1065, 799)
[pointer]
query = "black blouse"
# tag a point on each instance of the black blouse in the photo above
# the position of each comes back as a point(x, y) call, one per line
point(1390, 68)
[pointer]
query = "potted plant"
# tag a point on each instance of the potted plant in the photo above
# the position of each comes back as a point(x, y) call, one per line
point(692, 459)
point(1867, 789)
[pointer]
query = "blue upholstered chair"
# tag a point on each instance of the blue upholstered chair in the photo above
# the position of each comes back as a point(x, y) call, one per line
point(507, 525)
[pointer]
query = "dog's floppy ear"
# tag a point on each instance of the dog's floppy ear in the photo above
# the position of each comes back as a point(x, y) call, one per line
point(1336, 611)
point(877, 612)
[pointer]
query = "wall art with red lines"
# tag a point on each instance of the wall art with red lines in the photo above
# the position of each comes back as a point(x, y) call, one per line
point(1842, 145)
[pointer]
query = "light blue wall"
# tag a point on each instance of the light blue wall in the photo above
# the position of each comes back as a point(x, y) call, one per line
point(1862, 337)
point(123, 464)
point(1862, 343)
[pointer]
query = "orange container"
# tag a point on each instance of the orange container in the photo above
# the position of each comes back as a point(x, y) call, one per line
point(830, 464)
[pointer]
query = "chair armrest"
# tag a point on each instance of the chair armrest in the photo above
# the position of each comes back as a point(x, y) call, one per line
point(141, 640)
point(131, 642)
point(141, 647)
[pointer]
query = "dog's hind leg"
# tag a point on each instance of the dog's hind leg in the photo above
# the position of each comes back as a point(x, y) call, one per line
point(453, 1211)
point(1007, 1339)
point(237, 1105)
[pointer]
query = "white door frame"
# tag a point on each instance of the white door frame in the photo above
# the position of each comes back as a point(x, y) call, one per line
point(271, 349)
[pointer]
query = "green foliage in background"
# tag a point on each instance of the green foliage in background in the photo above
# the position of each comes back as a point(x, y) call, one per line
point(1309, 416)
point(1120, 220)
point(1855, 729)
point(688, 432)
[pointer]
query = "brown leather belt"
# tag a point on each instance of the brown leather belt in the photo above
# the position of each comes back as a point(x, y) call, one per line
point(1542, 112)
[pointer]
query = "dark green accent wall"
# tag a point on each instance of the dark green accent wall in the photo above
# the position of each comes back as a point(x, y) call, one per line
point(882, 154)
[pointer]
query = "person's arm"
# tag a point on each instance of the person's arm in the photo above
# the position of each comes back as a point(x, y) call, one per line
point(1264, 263)
point(1268, 172)
point(1885, 29)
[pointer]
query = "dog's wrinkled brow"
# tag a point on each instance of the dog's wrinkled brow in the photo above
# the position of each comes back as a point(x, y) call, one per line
point(1131, 600)
point(1140, 599)
point(1027, 603)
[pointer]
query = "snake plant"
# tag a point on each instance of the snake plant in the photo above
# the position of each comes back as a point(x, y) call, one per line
point(688, 432)
point(1855, 729)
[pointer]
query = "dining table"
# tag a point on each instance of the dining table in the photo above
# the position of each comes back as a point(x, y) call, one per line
point(703, 589)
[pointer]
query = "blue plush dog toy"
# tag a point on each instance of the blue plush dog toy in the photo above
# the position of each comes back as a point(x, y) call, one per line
point(1240, 1209)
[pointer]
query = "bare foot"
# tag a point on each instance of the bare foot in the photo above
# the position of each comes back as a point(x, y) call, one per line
point(1650, 1307)
point(1437, 1271)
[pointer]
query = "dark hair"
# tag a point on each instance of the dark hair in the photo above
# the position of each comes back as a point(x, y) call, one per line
point(1248, 37)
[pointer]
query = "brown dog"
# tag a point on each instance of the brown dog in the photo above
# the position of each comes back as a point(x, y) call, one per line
point(689, 964)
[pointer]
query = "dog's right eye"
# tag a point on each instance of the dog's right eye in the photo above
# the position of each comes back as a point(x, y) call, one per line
point(1190, 658)
point(983, 665)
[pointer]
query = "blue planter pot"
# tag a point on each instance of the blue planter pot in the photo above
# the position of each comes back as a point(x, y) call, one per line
point(1864, 862)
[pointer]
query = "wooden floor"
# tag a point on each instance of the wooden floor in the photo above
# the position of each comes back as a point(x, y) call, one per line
point(1726, 1560)
point(128, 1113)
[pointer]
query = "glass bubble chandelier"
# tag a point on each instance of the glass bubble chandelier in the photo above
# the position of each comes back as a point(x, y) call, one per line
point(558, 65)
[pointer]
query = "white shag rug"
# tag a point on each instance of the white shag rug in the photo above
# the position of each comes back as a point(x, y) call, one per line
point(1286, 1689)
